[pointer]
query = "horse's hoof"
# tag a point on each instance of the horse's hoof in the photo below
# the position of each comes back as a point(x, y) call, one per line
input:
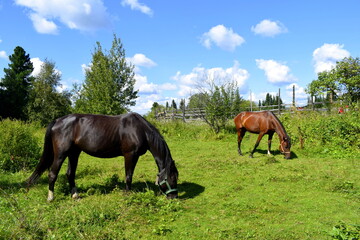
point(50, 196)
point(74, 193)
point(75, 196)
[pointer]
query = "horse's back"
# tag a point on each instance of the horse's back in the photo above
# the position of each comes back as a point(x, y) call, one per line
point(253, 121)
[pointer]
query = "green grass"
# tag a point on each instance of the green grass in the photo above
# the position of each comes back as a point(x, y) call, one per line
point(222, 196)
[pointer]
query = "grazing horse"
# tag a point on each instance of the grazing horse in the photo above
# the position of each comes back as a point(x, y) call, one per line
point(262, 123)
point(128, 135)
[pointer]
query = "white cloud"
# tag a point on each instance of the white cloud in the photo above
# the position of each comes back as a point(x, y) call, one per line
point(149, 88)
point(299, 91)
point(37, 63)
point(85, 68)
point(224, 38)
point(326, 56)
point(276, 73)
point(189, 83)
point(269, 28)
point(84, 15)
point(3, 55)
point(42, 25)
point(140, 60)
point(135, 5)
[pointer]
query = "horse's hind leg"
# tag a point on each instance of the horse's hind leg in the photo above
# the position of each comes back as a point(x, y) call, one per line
point(53, 173)
point(70, 174)
point(241, 132)
point(130, 163)
point(257, 143)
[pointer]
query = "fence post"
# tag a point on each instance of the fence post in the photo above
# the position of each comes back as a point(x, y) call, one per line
point(183, 111)
point(293, 96)
point(279, 103)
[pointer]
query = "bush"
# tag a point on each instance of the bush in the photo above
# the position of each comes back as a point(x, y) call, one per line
point(335, 134)
point(19, 148)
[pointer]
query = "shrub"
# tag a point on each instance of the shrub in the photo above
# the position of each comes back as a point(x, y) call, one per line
point(344, 231)
point(19, 148)
point(336, 134)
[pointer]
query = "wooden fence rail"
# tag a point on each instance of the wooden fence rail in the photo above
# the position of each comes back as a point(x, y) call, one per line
point(195, 114)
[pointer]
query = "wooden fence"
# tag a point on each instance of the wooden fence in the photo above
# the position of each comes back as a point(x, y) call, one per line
point(196, 114)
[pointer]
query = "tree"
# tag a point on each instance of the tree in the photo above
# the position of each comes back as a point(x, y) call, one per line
point(198, 100)
point(173, 104)
point(109, 83)
point(45, 102)
point(237, 103)
point(182, 104)
point(270, 100)
point(220, 98)
point(342, 82)
point(15, 86)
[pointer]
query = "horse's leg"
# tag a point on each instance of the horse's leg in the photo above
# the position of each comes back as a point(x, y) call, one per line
point(53, 173)
point(257, 143)
point(271, 134)
point(241, 133)
point(130, 163)
point(72, 165)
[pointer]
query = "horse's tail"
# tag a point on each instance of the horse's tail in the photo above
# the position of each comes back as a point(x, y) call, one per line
point(46, 159)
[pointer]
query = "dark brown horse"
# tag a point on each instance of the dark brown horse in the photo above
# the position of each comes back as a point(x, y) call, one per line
point(262, 123)
point(128, 135)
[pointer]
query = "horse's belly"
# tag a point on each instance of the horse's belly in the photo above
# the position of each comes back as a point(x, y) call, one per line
point(104, 153)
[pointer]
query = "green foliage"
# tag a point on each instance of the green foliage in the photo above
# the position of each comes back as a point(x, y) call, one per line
point(19, 149)
point(221, 195)
point(344, 231)
point(327, 134)
point(270, 100)
point(46, 103)
point(109, 84)
point(344, 79)
point(15, 86)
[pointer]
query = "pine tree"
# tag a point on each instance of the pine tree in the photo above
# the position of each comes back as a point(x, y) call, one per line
point(15, 85)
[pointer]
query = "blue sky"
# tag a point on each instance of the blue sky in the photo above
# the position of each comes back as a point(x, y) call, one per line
point(262, 45)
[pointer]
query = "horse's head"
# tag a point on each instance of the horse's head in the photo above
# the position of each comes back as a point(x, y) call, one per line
point(168, 182)
point(285, 146)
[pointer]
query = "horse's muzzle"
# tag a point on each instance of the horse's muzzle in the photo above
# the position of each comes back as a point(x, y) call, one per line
point(172, 195)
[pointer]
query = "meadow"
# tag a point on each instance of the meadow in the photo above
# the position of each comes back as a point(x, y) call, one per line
point(314, 195)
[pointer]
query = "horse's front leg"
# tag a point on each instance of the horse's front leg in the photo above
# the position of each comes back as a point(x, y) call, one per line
point(130, 163)
point(256, 144)
point(269, 143)
point(72, 165)
point(241, 132)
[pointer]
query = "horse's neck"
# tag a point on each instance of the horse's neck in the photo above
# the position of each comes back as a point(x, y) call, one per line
point(280, 130)
point(161, 158)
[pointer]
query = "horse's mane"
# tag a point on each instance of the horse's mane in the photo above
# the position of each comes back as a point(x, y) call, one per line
point(280, 124)
point(156, 140)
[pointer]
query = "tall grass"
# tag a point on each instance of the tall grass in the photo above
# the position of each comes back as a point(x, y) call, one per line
point(314, 195)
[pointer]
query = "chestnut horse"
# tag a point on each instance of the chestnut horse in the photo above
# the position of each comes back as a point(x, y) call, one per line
point(128, 135)
point(262, 123)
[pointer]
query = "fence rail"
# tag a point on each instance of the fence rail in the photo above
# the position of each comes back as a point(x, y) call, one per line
point(196, 114)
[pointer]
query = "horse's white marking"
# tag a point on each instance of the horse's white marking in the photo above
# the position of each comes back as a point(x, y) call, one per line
point(50, 196)
point(157, 181)
point(74, 193)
